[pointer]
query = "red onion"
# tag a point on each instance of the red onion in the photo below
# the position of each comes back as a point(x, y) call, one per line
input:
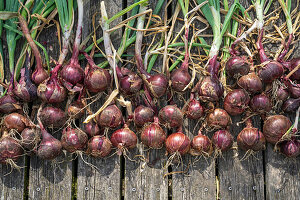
point(110, 117)
point(237, 66)
point(123, 138)
point(282, 94)
point(222, 140)
point(152, 135)
point(171, 116)
point(92, 129)
point(194, 109)
point(96, 79)
point(53, 117)
point(99, 146)
point(130, 82)
point(291, 65)
point(260, 103)
point(251, 83)
point(178, 142)
point(290, 148)
point(291, 105)
point(76, 109)
point(251, 138)
point(271, 71)
point(275, 127)
point(219, 118)
point(10, 149)
point(293, 88)
point(180, 78)
point(30, 137)
point(8, 103)
point(143, 115)
point(201, 145)
point(236, 101)
point(16, 121)
point(73, 139)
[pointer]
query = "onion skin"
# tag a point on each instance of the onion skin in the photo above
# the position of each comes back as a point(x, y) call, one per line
point(291, 105)
point(9, 149)
point(72, 76)
point(261, 103)
point(271, 71)
point(201, 145)
point(110, 117)
point(143, 115)
point(74, 139)
point(210, 89)
point(178, 142)
point(251, 138)
point(290, 148)
point(236, 66)
point(76, 110)
point(157, 84)
point(124, 138)
point(153, 136)
point(171, 116)
point(16, 121)
point(30, 138)
point(180, 78)
point(222, 140)
point(49, 148)
point(219, 118)
point(251, 83)
point(92, 129)
point(97, 80)
point(236, 102)
point(53, 117)
point(39, 75)
point(282, 94)
point(275, 127)
point(99, 146)
point(130, 82)
point(9, 104)
point(51, 91)
point(194, 109)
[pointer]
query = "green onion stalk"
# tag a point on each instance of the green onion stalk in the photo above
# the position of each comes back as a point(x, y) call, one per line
point(210, 88)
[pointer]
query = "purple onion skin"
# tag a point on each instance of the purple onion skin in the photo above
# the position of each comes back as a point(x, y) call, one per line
point(143, 115)
point(30, 138)
point(39, 75)
point(51, 91)
point(9, 104)
point(16, 121)
point(53, 117)
point(282, 94)
point(99, 146)
point(124, 138)
point(171, 116)
point(92, 129)
point(293, 88)
point(271, 71)
point(72, 76)
point(25, 89)
point(49, 148)
point(110, 117)
point(211, 89)
point(158, 85)
point(178, 142)
point(222, 140)
point(153, 136)
point(261, 103)
point(180, 78)
point(290, 148)
point(291, 65)
point(201, 145)
point(291, 105)
point(74, 139)
point(219, 118)
point(97, 79)
point(275, 127)
point(251, 83)
point(130, 82)
point(236, 102)
point(9, 149)
point(237, 66)
point(76, 110)
point(251, 138)
point(194, 110)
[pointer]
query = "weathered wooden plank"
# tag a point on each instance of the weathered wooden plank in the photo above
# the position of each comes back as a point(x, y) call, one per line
point(241, 179)
point(12, 181)
point(105, 182)
point(145, 180)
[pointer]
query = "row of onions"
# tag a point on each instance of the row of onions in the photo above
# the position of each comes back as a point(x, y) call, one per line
point(237, 79)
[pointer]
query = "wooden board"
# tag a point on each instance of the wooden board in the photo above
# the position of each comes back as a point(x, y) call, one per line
point(12, 182)
point(105, 183)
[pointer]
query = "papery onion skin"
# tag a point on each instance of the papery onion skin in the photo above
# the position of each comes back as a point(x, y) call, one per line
point(130, 82)
point(290, 148)
point(251, 83)
point(124, 138)
point(201, 145)
point(99, 146)
point(97, 80)
point(53, 117)
point(236, 102)
point(72, 74)
point(110, 117)
point(74, 139)
point(153, 136)
point(30, 138)
point(143, 115)
point(194, 110)
point(219, 118)
point(237, 65)
point(282, 94)
point(180, 78)
point(92, 129)
point(9, 149)
point(271, 71)
point(222, 140)
point(16, 121)
point(177, 142)
point(290, 105)
point(158, 85)
point(51, 91)
point(50, 147)
point(9, 104)
point(275, 127)
point(261, 103)
point(171, 116)
point(76, 110)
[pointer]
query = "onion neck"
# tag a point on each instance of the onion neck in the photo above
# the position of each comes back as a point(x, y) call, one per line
point(213, 65)
point(185, 64)
point(249, 123)
point(262, 54)
point(286, 48)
